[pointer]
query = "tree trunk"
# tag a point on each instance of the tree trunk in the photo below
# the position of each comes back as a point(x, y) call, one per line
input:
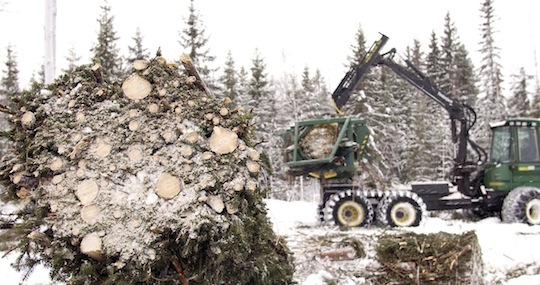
point(192, 71)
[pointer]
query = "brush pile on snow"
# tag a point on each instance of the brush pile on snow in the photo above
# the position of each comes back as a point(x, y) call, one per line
point(147, 181)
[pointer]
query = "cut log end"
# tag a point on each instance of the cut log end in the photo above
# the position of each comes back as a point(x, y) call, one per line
point(90, 214)
point(101, 148)
point(87, 191)
point(92, 246)
point(28, 119)
point(253, 167)
point(140, 64)
point(216, 203)
point(168, 186)
point(136, 87)
point(223, 141)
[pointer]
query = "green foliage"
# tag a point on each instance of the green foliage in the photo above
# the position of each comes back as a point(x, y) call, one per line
point(519, 104)
point(72, 59)
point(9, 86)
point(9, 91)
point(137, 50)
point(258, 82)
point(490, 74)
point(105, 51)
point(428, 259)
point(194, 40)
point(229, 80)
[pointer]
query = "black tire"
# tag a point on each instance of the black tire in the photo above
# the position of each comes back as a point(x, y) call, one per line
point(522, 205)
point(401, 209)
point(348, 209)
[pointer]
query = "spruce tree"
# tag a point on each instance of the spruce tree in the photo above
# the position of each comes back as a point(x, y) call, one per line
point(428, 143)
point(312, 103)
point(389, 109)
point(72, 59)
point(293, 99)
point(243, 81)
point(229, 80)
point(105, 51)
point(267, 125)
point(38, 77)
point(194, 40)
point(458, 81)
point(449, 44)
point(262, 99)
point(258, 98)
point(358, 48)
point(9, 93)
point(490, 74)
point(307, 83)
point(258, 82)
point(433, 61)
point(320, 85)
point(9, 87)
point(357, 102)
point(535, 105)
point(519, 103)
point(137, 50)
point(467, 91)
point(321, 95)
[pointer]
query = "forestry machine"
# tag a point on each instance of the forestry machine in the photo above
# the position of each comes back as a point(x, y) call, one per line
point(327, 148)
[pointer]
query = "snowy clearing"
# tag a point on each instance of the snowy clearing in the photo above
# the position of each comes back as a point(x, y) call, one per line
point(510, 252)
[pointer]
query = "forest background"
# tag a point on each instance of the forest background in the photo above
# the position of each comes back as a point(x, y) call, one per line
point(268, 67)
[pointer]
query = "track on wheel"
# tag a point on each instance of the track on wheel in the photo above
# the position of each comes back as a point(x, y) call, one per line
point(401, 209)
point(348, 208)
point(522, 205)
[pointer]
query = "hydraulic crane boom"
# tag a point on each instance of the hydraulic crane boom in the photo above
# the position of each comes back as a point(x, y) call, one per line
point(353, 77)
point(462, 117)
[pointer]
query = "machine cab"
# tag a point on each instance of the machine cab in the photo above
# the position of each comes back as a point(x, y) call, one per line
point(515, 154)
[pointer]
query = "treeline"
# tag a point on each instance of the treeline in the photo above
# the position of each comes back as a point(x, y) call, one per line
point(410, 133)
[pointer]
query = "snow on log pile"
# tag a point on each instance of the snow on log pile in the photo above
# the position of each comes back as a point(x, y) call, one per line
point(151, 181)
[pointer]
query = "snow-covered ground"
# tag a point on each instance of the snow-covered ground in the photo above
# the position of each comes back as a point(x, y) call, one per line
point(510, 252)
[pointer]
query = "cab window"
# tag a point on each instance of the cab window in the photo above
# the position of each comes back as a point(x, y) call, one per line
point(528, 144)
point(501, 144)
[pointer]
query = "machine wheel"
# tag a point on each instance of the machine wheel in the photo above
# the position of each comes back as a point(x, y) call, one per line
point(522, 205)
point(401, 209)
point(348, 209)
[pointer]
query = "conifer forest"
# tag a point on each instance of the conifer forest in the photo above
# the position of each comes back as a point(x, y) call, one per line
point(405, 125)
point(127, 120)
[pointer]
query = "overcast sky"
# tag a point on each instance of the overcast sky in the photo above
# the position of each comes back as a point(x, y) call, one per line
point(289, 34)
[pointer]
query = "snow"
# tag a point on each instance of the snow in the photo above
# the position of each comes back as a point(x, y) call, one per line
point(510, 252)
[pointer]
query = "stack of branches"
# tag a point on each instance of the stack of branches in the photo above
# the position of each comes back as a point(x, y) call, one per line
point(440, 258)
point(151, 180)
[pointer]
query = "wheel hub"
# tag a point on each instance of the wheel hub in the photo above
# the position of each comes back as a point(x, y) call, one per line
point(350, 214)
point(532, 212)
point(403, 214)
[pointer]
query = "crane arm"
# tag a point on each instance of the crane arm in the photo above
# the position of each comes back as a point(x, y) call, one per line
point(462, 117)
point(354, 76)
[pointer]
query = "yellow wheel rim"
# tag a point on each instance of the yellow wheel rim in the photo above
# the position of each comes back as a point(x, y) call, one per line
point(403, 214)
point(350, 214)
point(532, 212)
